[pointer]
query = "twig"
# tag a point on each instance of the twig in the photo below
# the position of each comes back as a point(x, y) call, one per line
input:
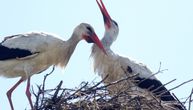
point(57, 90)
point(159, 71)
point(182, 105)
point(163, 92)
point(37, 96)
point(71, 96)
point(45, 77)
point(180, 84)
point(44, 81)
point(190, 100)
point(99, 82)
point(116, 82)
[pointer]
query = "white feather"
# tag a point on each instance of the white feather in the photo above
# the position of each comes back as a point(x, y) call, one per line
point(33, 41)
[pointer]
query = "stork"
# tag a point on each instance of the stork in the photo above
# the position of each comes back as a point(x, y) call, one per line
point(117, 67)
point(26, 54)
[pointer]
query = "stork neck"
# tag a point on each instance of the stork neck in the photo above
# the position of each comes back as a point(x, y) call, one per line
point(72, 43)
point(107, 41)
point(68, 49)
point(74, 39)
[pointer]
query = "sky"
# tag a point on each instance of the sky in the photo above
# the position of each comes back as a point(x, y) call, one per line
point(150, 31)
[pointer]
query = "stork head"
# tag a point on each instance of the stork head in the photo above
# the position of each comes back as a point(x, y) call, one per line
point(87, 33)
point(111, 26)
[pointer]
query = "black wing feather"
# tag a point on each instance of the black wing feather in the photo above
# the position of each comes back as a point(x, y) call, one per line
point(156, 87)
point(7, 53)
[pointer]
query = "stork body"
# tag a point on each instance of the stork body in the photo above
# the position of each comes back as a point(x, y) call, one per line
point(118, 67)
point(23, 55)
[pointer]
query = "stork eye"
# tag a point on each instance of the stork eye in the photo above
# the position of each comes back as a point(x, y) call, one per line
point(89, 28)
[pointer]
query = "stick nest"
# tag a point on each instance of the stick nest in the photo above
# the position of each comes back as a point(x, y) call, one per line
point(95, 96)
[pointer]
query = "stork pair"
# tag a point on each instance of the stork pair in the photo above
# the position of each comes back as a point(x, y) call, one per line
point(31, 53)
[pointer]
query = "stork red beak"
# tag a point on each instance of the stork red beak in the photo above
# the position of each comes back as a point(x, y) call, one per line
point(98, 42)
point(106, 16)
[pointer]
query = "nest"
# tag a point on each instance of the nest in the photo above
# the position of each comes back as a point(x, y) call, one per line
point(95, 96)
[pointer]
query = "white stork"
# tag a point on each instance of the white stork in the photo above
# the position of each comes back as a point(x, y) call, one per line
point(117, 67)
point(23, 55)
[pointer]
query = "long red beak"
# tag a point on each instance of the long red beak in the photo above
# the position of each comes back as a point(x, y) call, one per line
point(106, 16)
point(98, 42)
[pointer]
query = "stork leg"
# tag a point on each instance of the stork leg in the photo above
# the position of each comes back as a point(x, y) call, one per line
point(28, 94)
point(9, 93)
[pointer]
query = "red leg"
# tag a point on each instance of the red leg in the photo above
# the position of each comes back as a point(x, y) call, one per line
point(9, 93)
point(28, 94)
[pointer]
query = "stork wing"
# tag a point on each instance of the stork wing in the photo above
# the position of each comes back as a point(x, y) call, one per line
point(20, 46)
point(27, 45)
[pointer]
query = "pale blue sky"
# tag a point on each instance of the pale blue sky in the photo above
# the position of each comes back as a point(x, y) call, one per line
point(151, 31)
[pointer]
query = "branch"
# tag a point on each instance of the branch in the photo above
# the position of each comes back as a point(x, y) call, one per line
point(190, 100)
point(180, 84)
